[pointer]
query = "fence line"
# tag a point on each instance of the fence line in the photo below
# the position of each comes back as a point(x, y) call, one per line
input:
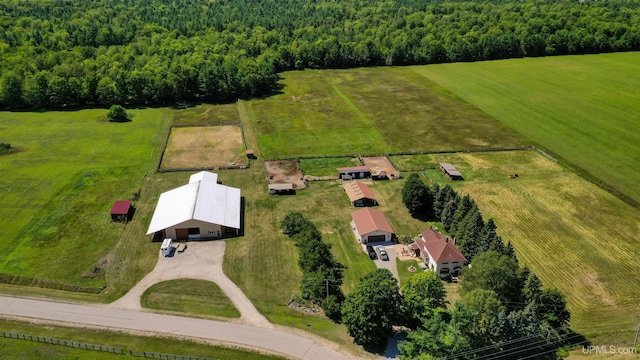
point(62, 342)
point(47, 284)
point(155, 355)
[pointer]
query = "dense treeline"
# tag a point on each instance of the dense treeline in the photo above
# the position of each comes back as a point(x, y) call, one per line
point(61, 52)
point(504, 311)
point(322, 274)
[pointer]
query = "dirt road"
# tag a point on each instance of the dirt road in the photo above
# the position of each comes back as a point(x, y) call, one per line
point(201, 260)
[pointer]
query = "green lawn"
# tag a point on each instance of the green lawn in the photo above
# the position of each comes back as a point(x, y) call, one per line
point(326, 166)
point(189, 296)
point(27, 350)
point(403, 270)
point(57, 192)
point(574, 235)
point(583, 108)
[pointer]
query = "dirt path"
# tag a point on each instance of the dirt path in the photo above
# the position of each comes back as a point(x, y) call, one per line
point(201, 260)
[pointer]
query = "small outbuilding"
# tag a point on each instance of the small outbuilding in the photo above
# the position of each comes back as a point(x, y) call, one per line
point(359, 194)
point(354, 172)
point(451, 171)
point(250, 154)
point(281, 189)
point(371, 225)
point(122, 211)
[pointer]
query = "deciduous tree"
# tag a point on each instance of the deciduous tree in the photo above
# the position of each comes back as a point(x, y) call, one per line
point(373, 307)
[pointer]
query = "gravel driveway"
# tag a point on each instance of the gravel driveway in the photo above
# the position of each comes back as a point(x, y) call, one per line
point(201, 260)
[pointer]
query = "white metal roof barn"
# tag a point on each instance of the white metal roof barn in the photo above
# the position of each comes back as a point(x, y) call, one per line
point(200, 209)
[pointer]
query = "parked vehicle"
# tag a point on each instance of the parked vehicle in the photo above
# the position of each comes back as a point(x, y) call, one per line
point(166, 247)
point(382, 252)
point(372, 253)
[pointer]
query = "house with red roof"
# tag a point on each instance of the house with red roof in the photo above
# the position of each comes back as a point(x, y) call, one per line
point(439, 253)
point(371, 225)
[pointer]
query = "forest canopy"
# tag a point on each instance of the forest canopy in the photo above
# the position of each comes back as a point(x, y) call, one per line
point(57, 53)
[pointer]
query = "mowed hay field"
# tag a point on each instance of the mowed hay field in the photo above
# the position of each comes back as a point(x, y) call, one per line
point(574, 235)
point(204, 147)
point(57, 192)
point(583, 108)
point(369, 111)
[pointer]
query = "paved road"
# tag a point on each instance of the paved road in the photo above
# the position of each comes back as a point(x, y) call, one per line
point(273, 340)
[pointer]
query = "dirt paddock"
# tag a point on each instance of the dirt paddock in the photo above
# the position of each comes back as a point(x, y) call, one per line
point(204, 147)
point(285, 171)
point(381, 163)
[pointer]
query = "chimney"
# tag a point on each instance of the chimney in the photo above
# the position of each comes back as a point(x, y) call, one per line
point(446, 239)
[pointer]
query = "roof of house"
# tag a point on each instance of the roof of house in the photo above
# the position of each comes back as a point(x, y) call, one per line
point(201, 199)
point(357, 190)
point(121, 207)
point(285, 186)
point(368, 220)
point(439, 247)
point(450, 169)
point(354, 169)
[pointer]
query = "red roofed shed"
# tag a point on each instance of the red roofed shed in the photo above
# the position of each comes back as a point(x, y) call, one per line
point(121, 210)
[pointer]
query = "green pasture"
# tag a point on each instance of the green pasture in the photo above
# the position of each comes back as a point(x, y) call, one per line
point(311, 119)
point(582, 108)
point(57, 191)
point(30, 350)
point(370, 111)
point(575, 236)
point(326, 166)
point(189, 296)
point(205, 115)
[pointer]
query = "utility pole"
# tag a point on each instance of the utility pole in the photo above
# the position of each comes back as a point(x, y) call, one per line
point(636, 340)
point(326, 283)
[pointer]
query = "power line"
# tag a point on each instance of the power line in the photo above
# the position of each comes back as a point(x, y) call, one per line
point(489, 347)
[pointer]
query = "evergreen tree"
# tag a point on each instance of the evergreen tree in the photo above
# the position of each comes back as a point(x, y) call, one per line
point(465, 205)
point(532, 289)
point(447, 213)
point(469, 232)
point(487, 236)
point(416, 196)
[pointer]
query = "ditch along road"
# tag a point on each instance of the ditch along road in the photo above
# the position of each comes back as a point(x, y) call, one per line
point(199, 261)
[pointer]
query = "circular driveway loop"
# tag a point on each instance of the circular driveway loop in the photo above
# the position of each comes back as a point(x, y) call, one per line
point(203, 261)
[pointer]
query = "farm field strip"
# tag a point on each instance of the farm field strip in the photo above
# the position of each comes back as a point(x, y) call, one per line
point(574, 235)
point(418, 115)
point(583, 108)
